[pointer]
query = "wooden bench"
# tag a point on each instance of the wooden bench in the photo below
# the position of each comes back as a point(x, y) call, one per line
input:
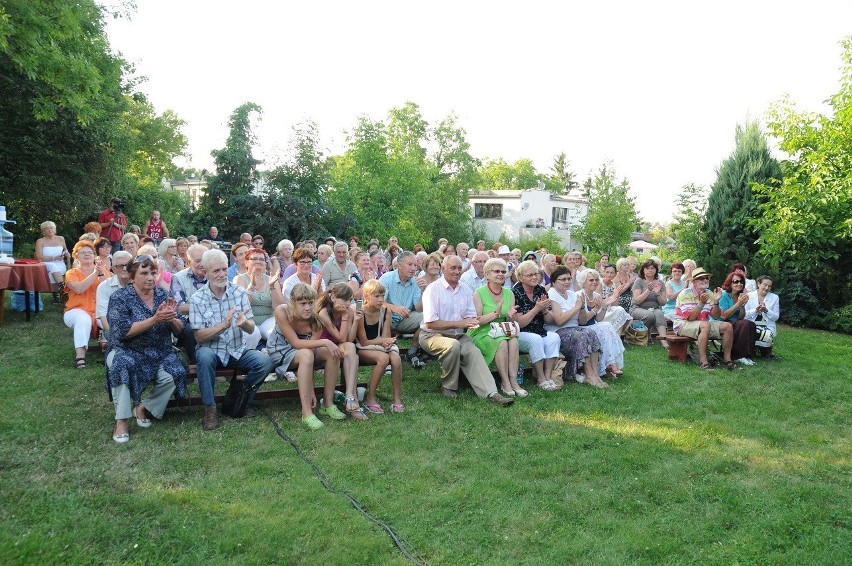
point(228, 374)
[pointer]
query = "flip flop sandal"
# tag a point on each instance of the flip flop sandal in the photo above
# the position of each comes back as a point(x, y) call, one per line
point(374, 408)
point(80, 363)
point(356, 413)
point(707, 367)
point(397, 408)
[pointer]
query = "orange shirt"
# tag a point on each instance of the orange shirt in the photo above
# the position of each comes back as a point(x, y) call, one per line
point(88, 298)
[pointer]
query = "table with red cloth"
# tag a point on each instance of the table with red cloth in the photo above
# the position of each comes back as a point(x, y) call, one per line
point(23, 277)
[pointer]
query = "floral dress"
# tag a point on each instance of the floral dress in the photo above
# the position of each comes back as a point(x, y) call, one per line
point(137, 359)
point(612, 349)
point(615, 315)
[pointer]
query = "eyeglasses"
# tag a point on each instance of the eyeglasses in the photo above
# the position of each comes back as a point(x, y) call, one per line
point(737, 281)
point(304, 261)
point(564, 279)
point(119, 267)
point(498, 271)
point(259, 259)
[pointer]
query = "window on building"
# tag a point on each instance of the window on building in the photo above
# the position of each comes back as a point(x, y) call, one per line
point(560, 214)
point(486, 210)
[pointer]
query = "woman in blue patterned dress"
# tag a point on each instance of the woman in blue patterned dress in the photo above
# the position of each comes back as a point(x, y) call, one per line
point(142, 317)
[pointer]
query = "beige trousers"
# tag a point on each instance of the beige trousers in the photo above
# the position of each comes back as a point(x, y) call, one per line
point(456, 354)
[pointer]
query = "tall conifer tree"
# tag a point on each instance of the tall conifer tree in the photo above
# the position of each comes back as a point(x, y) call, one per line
point(727, 235)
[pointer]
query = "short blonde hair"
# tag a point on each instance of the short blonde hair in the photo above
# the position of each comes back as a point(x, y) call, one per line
point(585, 274)
point(527, 267)
point(47, 224)
point(373, 287)
point(492, 263)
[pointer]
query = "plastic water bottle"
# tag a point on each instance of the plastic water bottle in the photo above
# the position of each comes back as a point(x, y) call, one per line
point(520, 373)
point(339, 399)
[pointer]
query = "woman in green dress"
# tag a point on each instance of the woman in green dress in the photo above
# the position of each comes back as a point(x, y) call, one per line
point(495, 303)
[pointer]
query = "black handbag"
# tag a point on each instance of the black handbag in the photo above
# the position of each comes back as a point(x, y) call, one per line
point(236, 398)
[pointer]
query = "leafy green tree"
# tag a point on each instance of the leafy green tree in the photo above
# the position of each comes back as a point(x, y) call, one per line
point(230, 190)
point(499, 175)
point(688, 226)
point(72, 135)
point(728, 235)
point(61, 47)
point(60, 102)
point(403, 178)
point(294, 204)
point(612, 214)
point(805, 220)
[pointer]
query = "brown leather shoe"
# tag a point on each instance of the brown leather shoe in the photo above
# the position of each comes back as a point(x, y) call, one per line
point(211, 419)
point(500, 400)
point(451, 393)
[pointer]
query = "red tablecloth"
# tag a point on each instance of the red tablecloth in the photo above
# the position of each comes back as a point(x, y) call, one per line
point(25, 277)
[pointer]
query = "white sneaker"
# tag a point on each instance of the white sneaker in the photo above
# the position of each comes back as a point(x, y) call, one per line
point(388, 370)
point(580, 378)
point(746, 361)
point(291, 377)
point(271, 377)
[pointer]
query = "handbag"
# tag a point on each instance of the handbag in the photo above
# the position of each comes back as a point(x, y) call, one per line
point(507, 329)
point(637, 334)
point(237, 397)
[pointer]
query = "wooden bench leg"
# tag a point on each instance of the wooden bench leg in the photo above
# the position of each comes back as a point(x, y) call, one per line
point(678, 350)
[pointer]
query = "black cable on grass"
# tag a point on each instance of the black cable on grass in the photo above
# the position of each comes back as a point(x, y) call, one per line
point(397, 541)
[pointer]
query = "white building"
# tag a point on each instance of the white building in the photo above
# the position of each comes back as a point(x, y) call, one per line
point(526, 214)
point(193, 188)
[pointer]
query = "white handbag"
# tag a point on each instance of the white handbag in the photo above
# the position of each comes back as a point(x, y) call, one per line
point(509, 329)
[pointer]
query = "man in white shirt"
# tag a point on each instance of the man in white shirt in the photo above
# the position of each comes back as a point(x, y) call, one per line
point(474, 277)
point(447, 312)
point(461, 251)
point(120, 263)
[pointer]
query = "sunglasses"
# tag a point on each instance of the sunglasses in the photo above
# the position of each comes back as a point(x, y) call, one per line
point(142, 258)
point(737, 281)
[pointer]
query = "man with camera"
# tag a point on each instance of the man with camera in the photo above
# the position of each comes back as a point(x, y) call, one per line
point(113, 223)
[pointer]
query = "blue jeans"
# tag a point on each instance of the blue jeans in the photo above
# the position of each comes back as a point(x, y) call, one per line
point(257, 366)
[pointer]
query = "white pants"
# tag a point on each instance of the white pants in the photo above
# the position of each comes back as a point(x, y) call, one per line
point(262, 330)
point(81, 322)
point(539, 347)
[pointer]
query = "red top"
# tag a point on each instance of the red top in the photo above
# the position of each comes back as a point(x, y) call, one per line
point(112, 233)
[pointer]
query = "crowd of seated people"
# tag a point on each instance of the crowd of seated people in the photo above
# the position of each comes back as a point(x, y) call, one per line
point(337, 305)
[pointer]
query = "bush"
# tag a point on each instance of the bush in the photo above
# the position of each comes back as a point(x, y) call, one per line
point(799, 305)
point(549, 239)
point(837, 320)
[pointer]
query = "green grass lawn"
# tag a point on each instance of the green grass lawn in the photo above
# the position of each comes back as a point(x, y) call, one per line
point(671, 464)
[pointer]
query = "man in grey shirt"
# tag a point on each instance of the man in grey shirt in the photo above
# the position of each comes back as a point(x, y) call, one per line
point(338, 268)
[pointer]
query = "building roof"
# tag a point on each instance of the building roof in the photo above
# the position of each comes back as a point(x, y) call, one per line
point(489, 194)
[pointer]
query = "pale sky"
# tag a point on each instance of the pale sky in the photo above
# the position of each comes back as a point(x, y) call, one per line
point(655, 87)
